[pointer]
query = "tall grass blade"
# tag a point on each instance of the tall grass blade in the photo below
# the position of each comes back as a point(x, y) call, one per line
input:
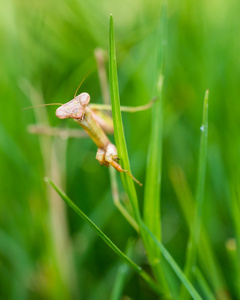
point(201, 171)
point(195, 232)
point(153, 171)
point(117, 123)
point(207, 257)
point(122, 149)
point(120, 138)
point(152, 216)
point(117, 201)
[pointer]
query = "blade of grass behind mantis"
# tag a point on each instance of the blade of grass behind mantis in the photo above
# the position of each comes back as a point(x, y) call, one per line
point(195, 232)
point(155, 287)
point(127, 260)
point(152, 217)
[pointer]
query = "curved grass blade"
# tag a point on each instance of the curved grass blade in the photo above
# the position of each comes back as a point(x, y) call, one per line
point(127, 260)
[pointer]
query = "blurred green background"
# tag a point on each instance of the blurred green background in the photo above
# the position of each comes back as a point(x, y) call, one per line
point(46, 48)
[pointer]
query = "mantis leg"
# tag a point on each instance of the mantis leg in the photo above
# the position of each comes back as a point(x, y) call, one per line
point(111, 157)
point(100, 156)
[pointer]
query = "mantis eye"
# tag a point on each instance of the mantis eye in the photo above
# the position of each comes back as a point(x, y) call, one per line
point(62, 113)
point(84, 99)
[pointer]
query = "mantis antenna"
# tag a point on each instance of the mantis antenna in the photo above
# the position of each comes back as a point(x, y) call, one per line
point(48, 104)
point(82, 82)
point(42, 105)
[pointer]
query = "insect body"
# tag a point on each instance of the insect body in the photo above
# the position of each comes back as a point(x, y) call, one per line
point(78, 110)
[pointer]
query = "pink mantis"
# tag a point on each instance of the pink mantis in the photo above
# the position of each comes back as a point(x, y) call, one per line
point(95, 125)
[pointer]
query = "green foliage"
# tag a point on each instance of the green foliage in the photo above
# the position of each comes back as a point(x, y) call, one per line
point(47, 47)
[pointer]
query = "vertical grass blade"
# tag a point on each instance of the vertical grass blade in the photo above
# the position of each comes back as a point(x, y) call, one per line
point(118, 126)
point(195, 232)
point(129, 186)
point(201, 170)
point(207, 257)
point(122, 148)
point(117, 202)
point(154, 159)
point(152, 216)
point(118, 130)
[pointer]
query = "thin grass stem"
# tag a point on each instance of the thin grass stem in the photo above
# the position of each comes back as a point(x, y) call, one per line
point(195, 232)
point(151, 207)
point(207, 257)
point(117, 202)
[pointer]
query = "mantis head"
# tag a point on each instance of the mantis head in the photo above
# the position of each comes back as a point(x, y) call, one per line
point(74, 109)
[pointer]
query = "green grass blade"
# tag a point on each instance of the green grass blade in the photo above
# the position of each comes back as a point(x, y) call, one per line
point(204, 285)
point(207, 257)
point(122, 150)
point(121, 145)
point(195, 233)
point(202, 170)
point(192, 291)
point(175, 267)
point(118, 126)
point(152, 216)
point(122, 273)
point(153, 170)
point(124, 258)
point(117, 202)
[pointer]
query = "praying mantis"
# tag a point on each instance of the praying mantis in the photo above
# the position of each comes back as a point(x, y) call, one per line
point(96, 125)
